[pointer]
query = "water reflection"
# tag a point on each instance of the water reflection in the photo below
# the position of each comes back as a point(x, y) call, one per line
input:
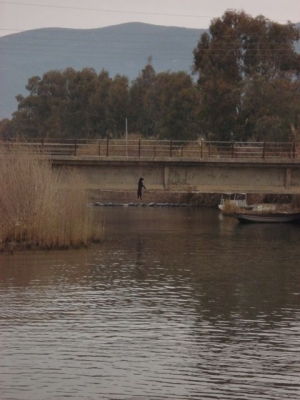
point(175, 304)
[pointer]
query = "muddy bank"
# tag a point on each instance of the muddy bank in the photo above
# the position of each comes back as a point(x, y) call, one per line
point(165, 198)
point(157, 197)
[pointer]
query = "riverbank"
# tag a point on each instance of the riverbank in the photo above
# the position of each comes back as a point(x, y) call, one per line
point(179, 199)
point(154, 197)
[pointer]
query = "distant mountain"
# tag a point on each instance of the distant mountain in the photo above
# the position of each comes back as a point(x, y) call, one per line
point(122, 49)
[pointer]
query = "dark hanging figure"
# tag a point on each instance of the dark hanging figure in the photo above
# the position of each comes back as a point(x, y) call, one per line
point(140, 186)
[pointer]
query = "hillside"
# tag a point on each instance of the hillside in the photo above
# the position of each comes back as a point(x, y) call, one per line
point(121, 49)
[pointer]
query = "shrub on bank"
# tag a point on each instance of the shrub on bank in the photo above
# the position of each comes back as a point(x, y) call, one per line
point(229, 208)
point(34, 210)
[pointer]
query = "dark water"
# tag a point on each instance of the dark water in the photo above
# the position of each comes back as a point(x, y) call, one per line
point(176, 304)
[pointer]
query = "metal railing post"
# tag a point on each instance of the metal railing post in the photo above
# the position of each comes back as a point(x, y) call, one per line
point(294, 150)
point(74, 146)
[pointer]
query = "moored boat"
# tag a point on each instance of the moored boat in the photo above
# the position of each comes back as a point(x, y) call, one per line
point(233, 200)
point(269, 217)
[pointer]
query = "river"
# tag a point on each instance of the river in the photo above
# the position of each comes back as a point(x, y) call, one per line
point(176, 303)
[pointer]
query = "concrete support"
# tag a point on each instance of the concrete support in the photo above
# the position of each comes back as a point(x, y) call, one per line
point(166, 182)
point(288, 178)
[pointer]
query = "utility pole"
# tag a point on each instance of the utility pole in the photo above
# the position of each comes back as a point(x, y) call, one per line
point(126, 136)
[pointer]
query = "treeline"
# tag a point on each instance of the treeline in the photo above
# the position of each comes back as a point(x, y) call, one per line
point(79, 104)
point(83, 103)
point(247, 88)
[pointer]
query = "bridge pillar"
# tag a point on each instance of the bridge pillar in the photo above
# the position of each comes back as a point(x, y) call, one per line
point(288, 175)
point(166, 177)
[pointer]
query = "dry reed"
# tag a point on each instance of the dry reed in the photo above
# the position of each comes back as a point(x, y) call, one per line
point(34, 210)
point(229, 208)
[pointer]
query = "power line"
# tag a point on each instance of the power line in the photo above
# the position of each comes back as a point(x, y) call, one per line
point(106, 10)
point(19, 48)
point(73, 34)
point(115, 53)
point(114, 11)
point(88, 37)
point(45, 43)
point(101, 46)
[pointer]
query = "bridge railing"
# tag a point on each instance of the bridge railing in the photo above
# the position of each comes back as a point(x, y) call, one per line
point(146, 148)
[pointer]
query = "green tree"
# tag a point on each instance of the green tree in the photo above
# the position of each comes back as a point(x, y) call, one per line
point(58, 105)
point(178, 102)
point(39, 114)
point(51, 93)
point(143, 102)
point(118, 105)
point(26, 120)
point(237, 50)
point(271, 109)
point(81, 87)
point(6, 129)
point(99, 105)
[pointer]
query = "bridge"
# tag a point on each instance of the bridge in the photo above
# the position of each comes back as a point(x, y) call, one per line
point(170, 167)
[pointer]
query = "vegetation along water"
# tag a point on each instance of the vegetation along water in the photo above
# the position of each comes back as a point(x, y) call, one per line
point(35, 211)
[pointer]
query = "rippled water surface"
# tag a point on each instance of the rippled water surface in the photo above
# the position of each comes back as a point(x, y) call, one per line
point(175, 304)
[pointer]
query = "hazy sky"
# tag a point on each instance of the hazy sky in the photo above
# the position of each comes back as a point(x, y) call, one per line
point(23, 15)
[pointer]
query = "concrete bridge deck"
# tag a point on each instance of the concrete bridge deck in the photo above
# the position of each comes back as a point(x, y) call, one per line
point(186, 175)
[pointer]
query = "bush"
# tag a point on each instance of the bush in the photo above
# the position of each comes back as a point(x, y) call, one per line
point(34, 209)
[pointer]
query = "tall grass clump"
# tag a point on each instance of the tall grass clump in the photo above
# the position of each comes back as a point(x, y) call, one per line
point(34, 209)
point(229, 208)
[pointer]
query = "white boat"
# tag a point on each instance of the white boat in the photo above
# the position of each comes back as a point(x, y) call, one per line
point(269, 217)
point(234, 199)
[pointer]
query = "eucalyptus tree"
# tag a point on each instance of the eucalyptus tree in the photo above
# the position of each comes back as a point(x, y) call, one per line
point(99, 105)
point(58, 104)
point(238, 52)
point(178, 102)
point(81, 87)
point(143, 102)
point(118, 105)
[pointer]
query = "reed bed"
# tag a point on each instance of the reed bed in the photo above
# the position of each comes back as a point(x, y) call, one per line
point(34, 209)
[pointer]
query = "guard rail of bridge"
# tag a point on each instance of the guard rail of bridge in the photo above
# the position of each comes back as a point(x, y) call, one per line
point(146, 148)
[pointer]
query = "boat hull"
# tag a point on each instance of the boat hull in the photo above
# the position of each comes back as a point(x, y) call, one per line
point(268, 217)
